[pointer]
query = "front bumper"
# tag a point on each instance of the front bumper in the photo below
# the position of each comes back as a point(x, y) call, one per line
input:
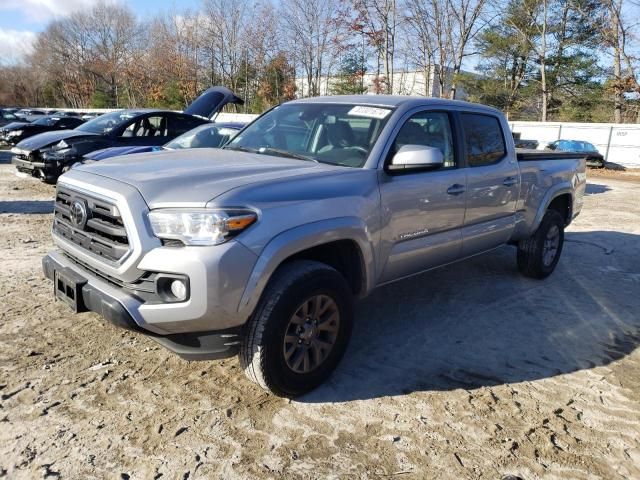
point(122, 309)
point(26, 165)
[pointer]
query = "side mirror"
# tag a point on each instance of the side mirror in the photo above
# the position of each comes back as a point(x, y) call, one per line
point(413, 157)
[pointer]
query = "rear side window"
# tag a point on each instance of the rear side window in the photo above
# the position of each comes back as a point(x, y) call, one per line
point(179, 124)
point(483, 138)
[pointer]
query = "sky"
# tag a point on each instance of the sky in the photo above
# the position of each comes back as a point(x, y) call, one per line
point(20, 20)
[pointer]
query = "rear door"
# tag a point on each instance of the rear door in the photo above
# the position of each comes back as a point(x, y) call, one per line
point(492, 183)
point(422, 211)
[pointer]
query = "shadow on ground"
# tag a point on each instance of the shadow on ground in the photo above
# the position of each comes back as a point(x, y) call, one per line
point(479, 323)
point(595, 188)
point(5, 157)
point(26, 206)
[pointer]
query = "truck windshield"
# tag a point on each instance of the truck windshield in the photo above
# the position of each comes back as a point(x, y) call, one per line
point(338, 134)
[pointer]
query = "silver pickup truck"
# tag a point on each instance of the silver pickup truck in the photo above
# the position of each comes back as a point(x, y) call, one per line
point(259, 249)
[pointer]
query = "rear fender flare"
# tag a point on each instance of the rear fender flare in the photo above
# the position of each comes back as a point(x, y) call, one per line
point(553, 192)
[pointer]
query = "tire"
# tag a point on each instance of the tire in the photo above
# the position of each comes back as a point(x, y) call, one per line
point(278, 318)
point(536, 261)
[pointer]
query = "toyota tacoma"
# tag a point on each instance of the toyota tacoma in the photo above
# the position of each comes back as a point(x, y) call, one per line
point(260, 248)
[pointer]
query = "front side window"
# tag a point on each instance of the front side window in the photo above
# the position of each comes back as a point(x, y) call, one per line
point(107, 122)
point(338, 134)
point(430, 129)
point(483, 138)
point(179, 124)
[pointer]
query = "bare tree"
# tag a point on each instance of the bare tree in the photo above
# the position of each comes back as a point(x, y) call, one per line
point(616, 35)
point(311, 27)
point(537, 14)
point(379, 20)
point(420, 26)
point(467, 23)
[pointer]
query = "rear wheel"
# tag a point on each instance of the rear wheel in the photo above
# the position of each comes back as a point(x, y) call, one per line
point(300, 329)
point(539, 254)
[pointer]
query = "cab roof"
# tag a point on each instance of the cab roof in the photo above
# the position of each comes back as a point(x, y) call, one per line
point(393, 101)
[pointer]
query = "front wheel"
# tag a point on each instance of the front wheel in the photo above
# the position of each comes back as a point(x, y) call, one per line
point(538, 255)
point(300, 329)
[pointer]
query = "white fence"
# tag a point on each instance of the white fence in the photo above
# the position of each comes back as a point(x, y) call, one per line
point(619, 143)
point(235, 117)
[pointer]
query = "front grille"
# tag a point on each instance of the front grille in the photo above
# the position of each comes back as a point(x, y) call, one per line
point(144, 287)
point(100, 230)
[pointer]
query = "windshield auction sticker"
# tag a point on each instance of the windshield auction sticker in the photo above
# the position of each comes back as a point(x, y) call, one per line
point(369, 112)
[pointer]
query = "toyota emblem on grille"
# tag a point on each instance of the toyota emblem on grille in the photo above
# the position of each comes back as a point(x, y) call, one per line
point(78, 213)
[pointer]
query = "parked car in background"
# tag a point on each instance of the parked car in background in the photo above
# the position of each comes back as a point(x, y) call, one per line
point(7, 116)
point(593, 156)
point(209, 135)
point(260, 248)
point(12, 135)
point(29, 115)
point(48, 155)
point(524, 143)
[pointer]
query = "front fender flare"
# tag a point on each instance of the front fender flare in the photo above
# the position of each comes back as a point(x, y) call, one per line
point(290, 242)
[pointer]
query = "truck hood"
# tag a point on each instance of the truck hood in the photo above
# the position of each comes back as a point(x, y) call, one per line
point(193, 177)
point(46, 139)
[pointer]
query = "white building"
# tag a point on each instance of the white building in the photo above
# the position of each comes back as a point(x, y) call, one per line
point(405, 82)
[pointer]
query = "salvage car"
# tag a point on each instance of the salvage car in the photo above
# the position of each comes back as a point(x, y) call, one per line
point(7, 116)
point(48, 155)
point(260, 248)
point(18, 131)
point(591, 153)
point(211, 135)
point(29, 115)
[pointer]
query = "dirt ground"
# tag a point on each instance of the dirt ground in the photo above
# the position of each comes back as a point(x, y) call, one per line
point(470, 371)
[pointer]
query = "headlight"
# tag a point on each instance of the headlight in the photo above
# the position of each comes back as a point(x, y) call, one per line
point(200, 227)
point(15, 133)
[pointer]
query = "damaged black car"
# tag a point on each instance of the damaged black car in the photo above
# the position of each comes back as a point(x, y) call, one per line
point(15, 132)
point(49, 155)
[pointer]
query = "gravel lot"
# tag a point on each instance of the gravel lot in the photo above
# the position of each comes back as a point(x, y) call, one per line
point(470, 371)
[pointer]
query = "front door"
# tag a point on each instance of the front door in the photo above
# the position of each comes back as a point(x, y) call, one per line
point(422, 211)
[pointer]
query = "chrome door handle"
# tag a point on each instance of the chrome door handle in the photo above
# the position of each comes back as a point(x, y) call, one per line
point(456, 189)
point(509, 181)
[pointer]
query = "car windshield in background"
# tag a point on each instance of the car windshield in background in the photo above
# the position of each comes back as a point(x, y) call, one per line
point(107, 122)
point(205, 136)
point(9, 116)
point(46, 121)
point(329, 133)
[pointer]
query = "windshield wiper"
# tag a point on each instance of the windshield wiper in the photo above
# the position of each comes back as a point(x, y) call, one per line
point(240, 148)
point(286, 153)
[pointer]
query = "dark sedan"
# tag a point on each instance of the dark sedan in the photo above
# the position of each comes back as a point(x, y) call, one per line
point(14, 133)
point(7, 116)
point(48, 155)
point(593, 157)
point(212, 135)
